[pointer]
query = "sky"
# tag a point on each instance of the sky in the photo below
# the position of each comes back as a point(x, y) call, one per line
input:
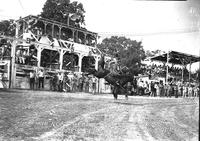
point(164, 25)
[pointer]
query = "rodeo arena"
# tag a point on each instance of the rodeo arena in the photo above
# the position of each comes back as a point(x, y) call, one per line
point(50, 55)
point(57, 59)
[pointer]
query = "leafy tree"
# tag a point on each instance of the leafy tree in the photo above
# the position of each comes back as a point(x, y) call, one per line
point(59, 10)
point(64, 11)
point(7, 27)
point(128, 52)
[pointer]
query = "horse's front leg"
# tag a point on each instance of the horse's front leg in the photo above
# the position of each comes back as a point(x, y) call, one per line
point(115, 93)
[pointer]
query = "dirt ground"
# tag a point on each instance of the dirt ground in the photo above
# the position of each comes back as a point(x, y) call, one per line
point(42, 115)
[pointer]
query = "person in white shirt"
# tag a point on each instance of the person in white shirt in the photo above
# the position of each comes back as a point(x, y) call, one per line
point(141, 87)
point(32, 79)
point(41, 78)
point(190, 91)
point(196, 91)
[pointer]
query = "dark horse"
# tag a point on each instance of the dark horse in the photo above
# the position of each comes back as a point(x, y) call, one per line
point(118, 81)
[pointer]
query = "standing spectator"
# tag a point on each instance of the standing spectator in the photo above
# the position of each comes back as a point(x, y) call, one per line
point(80, 83)
point(87, 84)
point(60, 82)
point(175, 90)
point(166, 90)
point(153, 90)
point(187, 88)
point(32, 79)
point(141, 89)
point(84, 83)
point(94, 84)
point(180, 89)
point(196, 91)
point(90, 84)
point(171, 89)
point(55, 82)
point(157, 89)
point(190, 91)
point(24, 55)
point(146, 88)
point(75, 83)
point(135, 85)
point(161, 88)
point(66, 83)
point(41, 78)
point(184, 90)
point(172, 92)
point(129, 88)
point(51, 83)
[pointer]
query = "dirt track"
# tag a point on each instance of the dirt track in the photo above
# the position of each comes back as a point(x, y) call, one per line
point(126, 122)
point(98, 117)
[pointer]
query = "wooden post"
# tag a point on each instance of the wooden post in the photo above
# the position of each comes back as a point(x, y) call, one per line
point(76, 37)
point(61, 58)
point(96, 62)
point(96, 40)
point(23, 30)
point(73, 32)
point(98, 85)
point(68, 20)
point(45, 28)
point(80, 57)
point(190, 72)
point(52, 32)
point(39, 51)
point(13, 52)
point(60, 28)
point(182, 73)
point(85, 38)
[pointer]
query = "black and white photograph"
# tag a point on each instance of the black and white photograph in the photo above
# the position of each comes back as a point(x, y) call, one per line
point(99, 70)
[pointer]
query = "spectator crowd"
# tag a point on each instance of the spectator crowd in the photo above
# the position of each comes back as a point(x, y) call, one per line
point(158, 88)
point(72, 82)
point(63, 81)
point(160, 70)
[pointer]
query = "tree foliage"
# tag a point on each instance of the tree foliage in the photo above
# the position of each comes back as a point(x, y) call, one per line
point(58, 10)
point(7, 27)
point(128, 52)
point(64, 10)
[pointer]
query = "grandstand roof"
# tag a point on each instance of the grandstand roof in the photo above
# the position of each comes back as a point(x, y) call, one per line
point(177, 58)
point(56, 22)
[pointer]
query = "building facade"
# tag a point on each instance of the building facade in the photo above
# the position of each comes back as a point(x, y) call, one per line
point(48, 45)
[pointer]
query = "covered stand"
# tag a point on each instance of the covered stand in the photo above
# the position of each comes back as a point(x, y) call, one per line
point(177, 58)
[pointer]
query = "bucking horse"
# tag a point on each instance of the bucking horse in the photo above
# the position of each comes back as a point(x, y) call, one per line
point(117, 80)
